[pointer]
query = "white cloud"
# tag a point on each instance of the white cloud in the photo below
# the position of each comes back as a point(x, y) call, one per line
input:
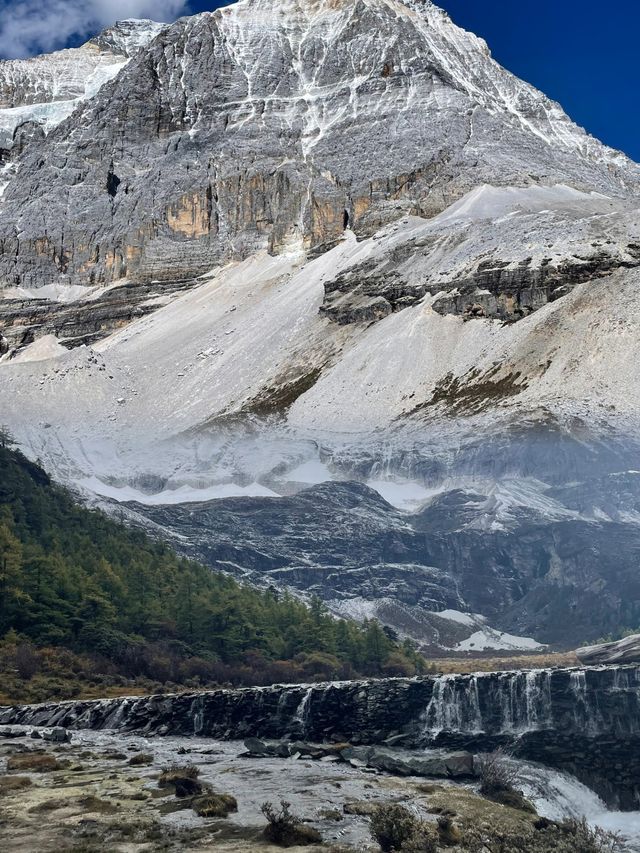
point(28, 27)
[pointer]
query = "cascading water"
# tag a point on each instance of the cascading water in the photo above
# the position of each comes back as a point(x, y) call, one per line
point(537, 698)
point(197, 711)
point(301, 716)
point(509, 703)
point(558, 796)
point(454, 706)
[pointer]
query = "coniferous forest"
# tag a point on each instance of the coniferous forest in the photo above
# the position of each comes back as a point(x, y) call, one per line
point(91, 607)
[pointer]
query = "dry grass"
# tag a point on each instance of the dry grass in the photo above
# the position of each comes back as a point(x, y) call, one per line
point(36, 762)
point(94, 804)
point(500, 664)
point(8, 784)
point(49, 806)
point(184, 780)
point(215, 805)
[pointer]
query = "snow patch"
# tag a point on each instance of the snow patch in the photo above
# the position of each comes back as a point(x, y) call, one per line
point(407, 496)
point(311, 473)
point(489, 639)
point(181, 495)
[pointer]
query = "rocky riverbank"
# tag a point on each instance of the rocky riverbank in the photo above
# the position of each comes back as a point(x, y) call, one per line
point(583, 721)
point(112, 791)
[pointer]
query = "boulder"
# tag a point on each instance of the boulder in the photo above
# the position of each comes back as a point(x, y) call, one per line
point(256, 746)
point(58, 734)
point(459, 764)
point(620, 651)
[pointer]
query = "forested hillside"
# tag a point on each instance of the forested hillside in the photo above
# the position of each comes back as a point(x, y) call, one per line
point(87, 603)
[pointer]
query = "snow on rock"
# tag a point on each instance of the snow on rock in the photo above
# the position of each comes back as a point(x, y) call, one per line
point(377, 110)
point(490, 639)
point(46, 89)
point(180, 495)
point(428, 629)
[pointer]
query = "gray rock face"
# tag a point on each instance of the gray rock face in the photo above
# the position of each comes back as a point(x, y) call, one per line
point(81, 322)
point(477, 261)
point(385, 182)
point(536, 575)
point(618, 652)
point(37, 94)
point(272, 124)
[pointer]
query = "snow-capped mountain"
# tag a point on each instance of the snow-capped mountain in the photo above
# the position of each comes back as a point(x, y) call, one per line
point(294, 244)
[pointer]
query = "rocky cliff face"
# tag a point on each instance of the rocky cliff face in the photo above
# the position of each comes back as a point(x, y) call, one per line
point(38, 94)
point(541, 577)
point(562, 718)
point(273, 125)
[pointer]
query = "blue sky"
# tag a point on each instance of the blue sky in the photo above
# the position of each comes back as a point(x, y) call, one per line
point(579, 52)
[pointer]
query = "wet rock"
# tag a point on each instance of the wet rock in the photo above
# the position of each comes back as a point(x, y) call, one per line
point(560, 718)
point(57, 735)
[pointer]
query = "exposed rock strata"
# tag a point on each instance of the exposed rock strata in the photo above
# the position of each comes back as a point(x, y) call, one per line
point(540, 576)
point(84, 321)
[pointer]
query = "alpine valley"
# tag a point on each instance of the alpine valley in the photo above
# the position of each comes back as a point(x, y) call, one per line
point(318, 292)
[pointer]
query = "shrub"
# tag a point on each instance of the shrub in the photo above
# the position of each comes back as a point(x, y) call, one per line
point(27, 660)
point(140, 759)
point(590, 840)
point(392, 825)
point(215, 805)
point(497, 781)
point(496, 774)
point(423, 840)
point(183, 779)
point(548, 837)
point(285, 829)
point(448, 832)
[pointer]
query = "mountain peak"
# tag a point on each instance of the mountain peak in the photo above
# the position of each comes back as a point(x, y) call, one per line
point(127, 36)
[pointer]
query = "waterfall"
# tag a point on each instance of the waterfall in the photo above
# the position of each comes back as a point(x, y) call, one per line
point(113, 720)
point(538, 699)
point(586, 713)
point(454, 706)
point(197, 712)
point(301, 716)
point(558, 796)
point(509, 703)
